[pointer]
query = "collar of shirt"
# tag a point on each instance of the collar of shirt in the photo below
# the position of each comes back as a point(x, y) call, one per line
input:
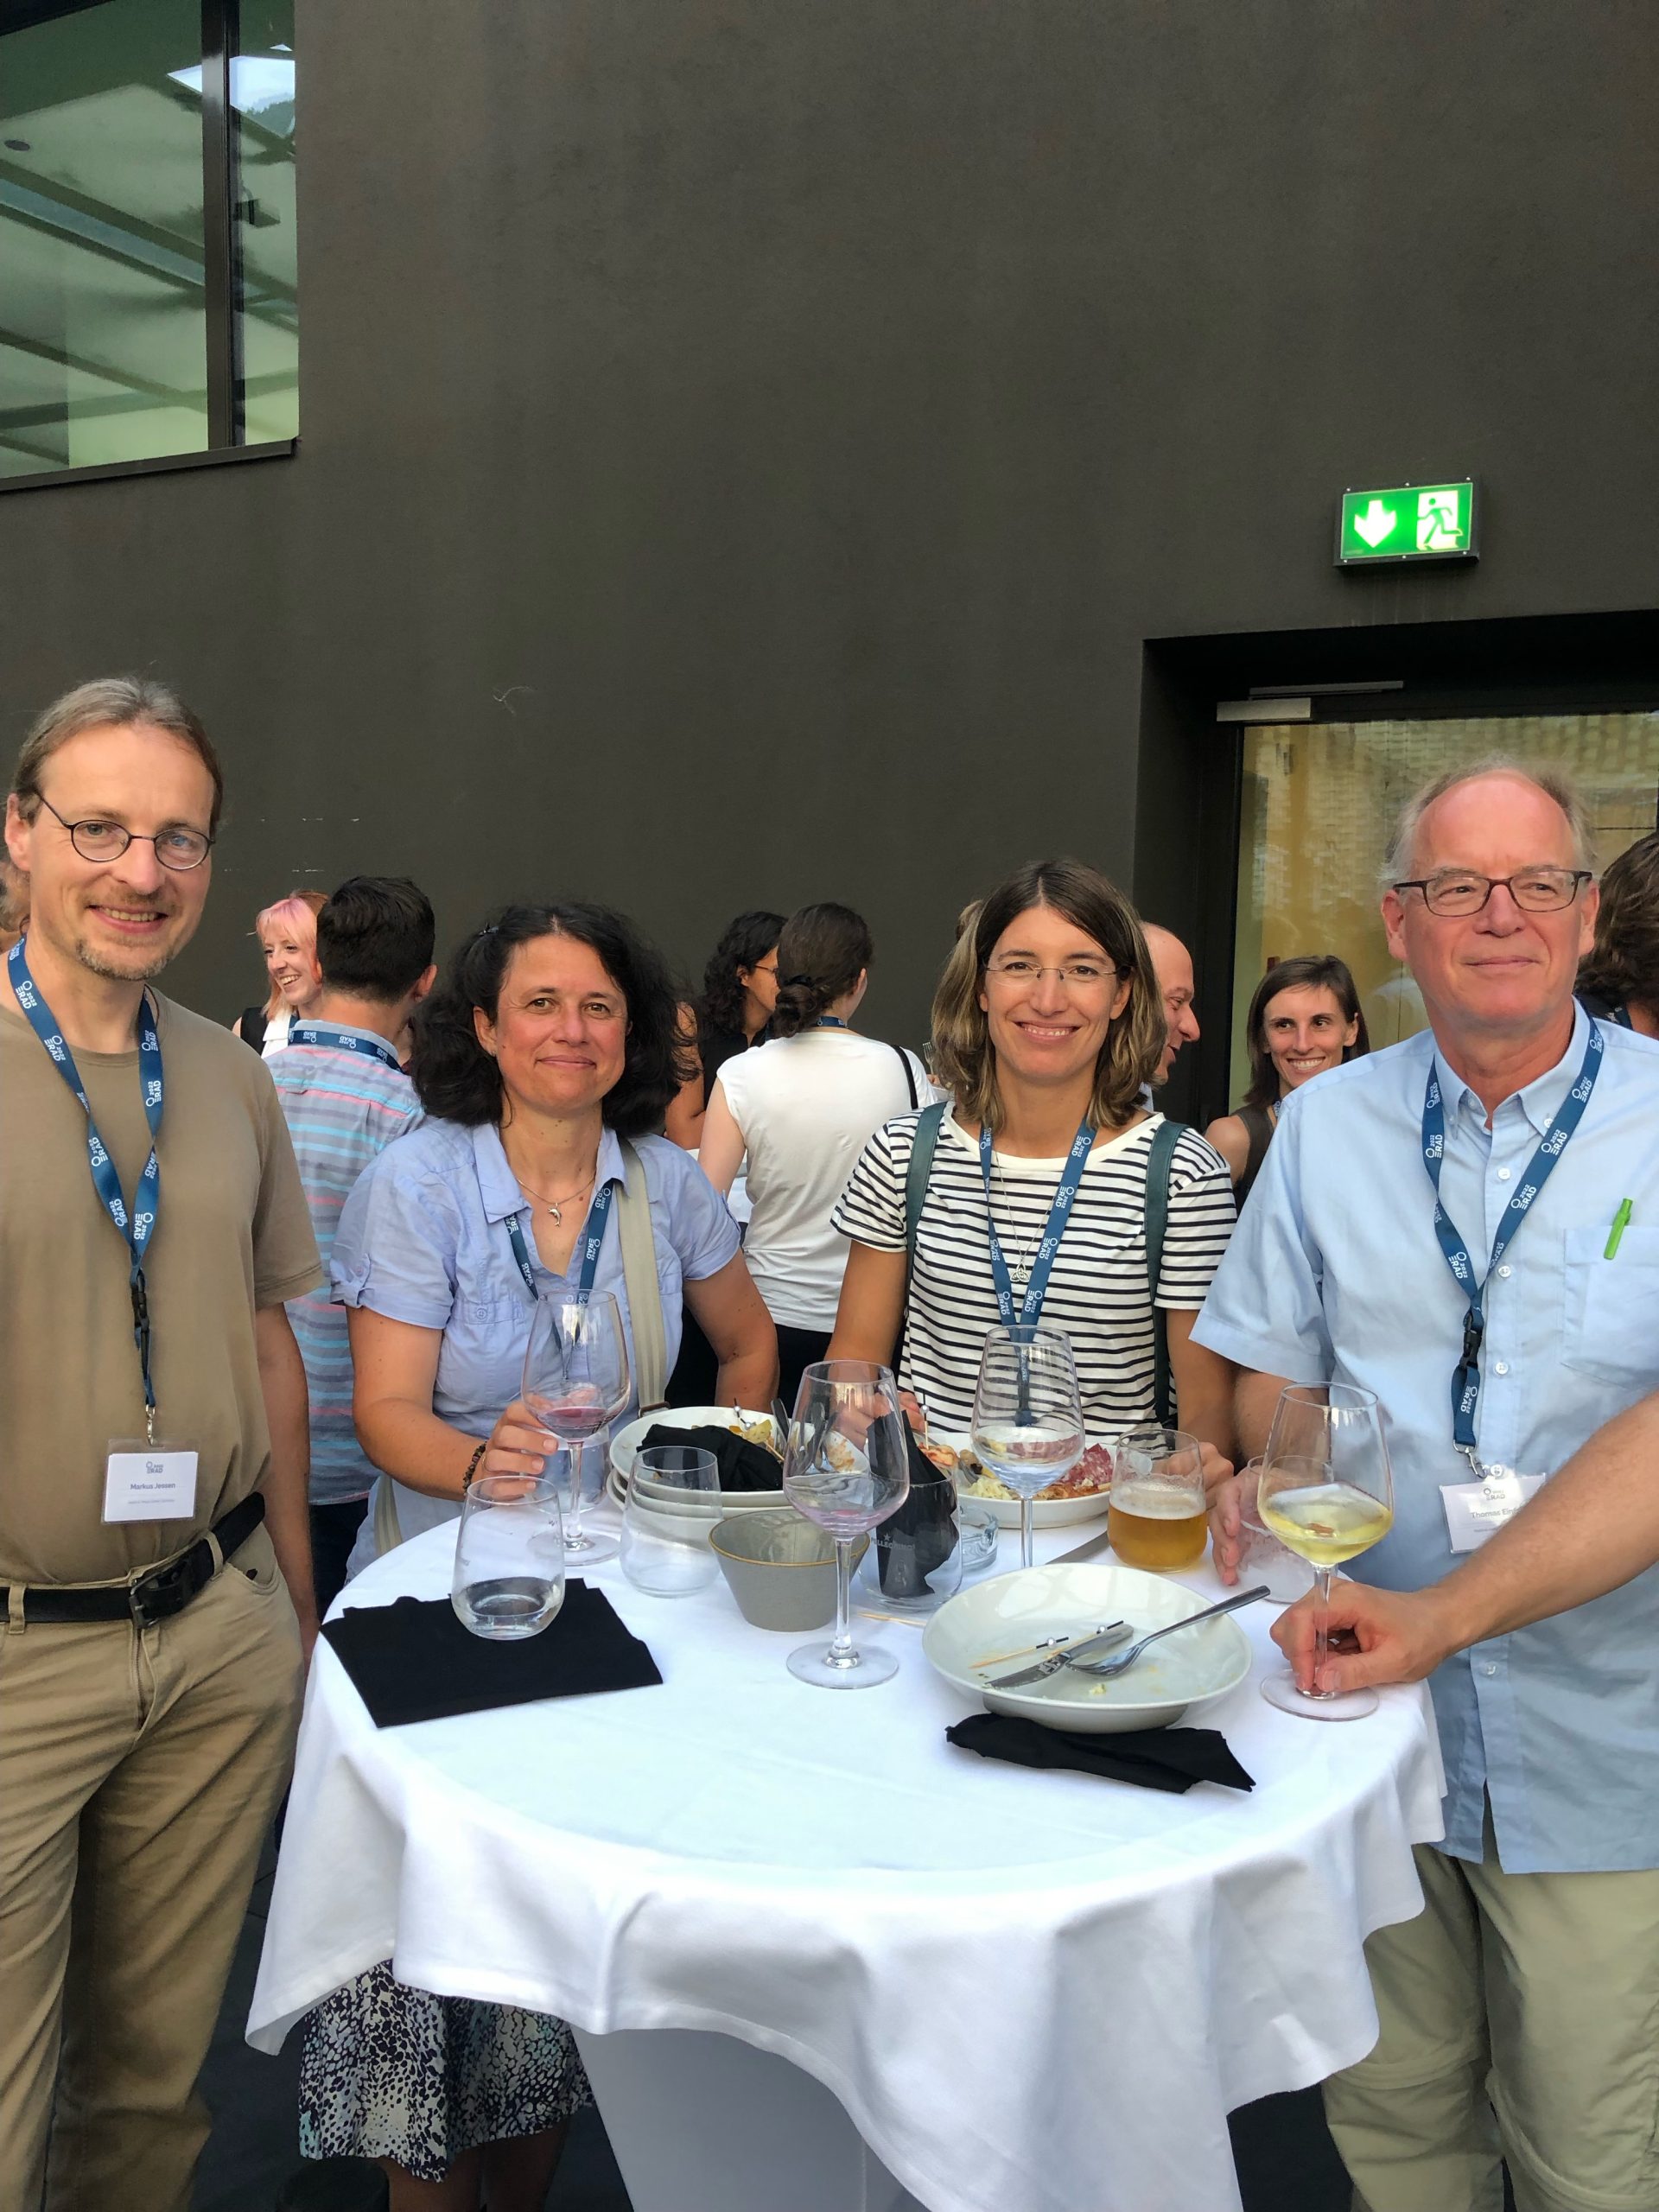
point(1542, 1099)
point(499, 1186)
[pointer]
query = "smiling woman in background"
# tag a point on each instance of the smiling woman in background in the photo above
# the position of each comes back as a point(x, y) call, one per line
point(288, 936)
point(1303, 1018)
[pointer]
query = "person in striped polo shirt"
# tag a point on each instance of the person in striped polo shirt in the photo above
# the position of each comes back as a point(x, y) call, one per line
point(345, 1100)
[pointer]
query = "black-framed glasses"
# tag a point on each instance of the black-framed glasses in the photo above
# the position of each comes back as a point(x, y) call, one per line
point(1459, 891)
point(1075, 975)
point(99, 839)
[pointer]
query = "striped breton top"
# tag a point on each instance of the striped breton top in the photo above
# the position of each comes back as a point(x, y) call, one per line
point(1098, 1292)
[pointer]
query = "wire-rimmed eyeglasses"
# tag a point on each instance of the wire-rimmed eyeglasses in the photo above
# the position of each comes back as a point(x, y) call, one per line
point(1075, 975)
point(97, 838)
point(1535, 890)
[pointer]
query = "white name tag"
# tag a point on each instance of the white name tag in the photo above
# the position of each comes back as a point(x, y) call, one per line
point(1475, 1511)
point(149, 1482)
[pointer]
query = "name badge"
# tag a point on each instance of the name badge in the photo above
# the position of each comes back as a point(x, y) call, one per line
point(1475, 1511)
point(149, 1482)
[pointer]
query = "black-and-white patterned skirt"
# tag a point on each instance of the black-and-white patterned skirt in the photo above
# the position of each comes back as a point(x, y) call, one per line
point(390, 2072)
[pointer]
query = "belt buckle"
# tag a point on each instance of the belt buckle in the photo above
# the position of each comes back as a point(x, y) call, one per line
point(160, 1594)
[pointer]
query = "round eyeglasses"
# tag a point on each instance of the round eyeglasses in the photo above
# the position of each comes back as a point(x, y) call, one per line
point(1535, 890)
point(99, 839)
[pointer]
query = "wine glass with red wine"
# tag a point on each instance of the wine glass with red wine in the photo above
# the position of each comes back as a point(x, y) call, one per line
point(576, 1382)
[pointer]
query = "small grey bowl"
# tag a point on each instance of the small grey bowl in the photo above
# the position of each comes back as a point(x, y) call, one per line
point(780, 1568)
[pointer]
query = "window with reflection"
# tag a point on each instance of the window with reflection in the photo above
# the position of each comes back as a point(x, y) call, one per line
point(148, 300)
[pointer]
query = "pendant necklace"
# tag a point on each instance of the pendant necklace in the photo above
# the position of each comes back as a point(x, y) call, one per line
point(1021, 1259)
point(554, 1207)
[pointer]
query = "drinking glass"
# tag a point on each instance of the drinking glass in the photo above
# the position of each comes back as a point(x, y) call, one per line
point(1027, 1413)
point(673, 1505)
point(1327, 1491)
point(1261, 1557)
point(1156, 1508)
point(575, 1384)
point(509, 1577)
point(846, 1467)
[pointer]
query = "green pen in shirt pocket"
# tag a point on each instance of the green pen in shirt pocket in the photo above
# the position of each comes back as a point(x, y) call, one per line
point(1621, 1222)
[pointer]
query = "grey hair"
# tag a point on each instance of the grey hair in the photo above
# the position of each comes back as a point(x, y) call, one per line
point(111, 701)
point(1555, 783)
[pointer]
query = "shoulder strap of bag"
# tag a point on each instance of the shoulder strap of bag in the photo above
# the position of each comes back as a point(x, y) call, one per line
point(909, 1074)
point(254, 1025)
point(923, 1146)
point(644, 1286)
point(1160, 1157)
point(388, 1531)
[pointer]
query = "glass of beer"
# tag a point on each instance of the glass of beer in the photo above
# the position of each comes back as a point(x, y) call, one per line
point(1155, 1509)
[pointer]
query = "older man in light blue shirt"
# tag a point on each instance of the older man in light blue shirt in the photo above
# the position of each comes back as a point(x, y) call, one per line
point(1537, 1957)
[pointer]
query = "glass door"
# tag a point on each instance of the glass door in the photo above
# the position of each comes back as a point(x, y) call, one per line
point(1319, 799)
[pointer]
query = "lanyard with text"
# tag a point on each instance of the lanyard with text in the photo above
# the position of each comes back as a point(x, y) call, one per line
point(1466, 1376)
point(343, 1040)
point(137, 1229)
point(593, 1235)
point(1058, 1214)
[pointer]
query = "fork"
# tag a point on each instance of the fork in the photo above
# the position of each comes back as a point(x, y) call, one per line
point(1114, 1634)
point(1104, 1670)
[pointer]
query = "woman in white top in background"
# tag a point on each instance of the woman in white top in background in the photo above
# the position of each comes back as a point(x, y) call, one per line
point(803, 1106)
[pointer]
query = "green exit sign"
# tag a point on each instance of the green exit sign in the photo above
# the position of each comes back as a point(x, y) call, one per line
point(1409, 522)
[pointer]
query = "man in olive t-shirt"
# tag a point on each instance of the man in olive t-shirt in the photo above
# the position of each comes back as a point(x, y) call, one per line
point(146, 1721)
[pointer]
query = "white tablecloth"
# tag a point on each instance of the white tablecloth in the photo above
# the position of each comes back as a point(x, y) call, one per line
point(1031, 1993)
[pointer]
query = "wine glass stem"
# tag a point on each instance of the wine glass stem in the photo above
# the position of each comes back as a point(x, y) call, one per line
point(1321, 1627)
point(577, 1451)
point(840, 1652)
point(1027, 1530)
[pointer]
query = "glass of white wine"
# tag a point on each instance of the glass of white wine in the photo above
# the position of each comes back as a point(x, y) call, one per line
point(1327, 1491)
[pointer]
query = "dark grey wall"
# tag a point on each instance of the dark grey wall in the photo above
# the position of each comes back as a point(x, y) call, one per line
point(745, 447)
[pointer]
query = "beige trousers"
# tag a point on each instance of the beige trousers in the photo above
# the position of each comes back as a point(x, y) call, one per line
point(1533, 1997)
point(139, 1771)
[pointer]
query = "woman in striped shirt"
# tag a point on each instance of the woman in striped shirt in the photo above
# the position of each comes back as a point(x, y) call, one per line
point(1047, 1023)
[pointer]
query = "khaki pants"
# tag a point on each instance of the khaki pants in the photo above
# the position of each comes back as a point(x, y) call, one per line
point(1534, 1994)
point(139, 1771)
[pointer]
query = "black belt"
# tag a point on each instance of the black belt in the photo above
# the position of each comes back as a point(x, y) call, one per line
point(155, 1596)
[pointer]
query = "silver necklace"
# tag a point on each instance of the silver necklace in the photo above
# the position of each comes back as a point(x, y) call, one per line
point(1023, 1256)
point(554, 1207)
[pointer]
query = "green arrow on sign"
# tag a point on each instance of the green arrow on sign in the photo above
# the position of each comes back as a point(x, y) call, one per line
point(1375, 522)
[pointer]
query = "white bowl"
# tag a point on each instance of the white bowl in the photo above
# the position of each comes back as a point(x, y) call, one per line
point(729, 1501)
point(1046, 1512)
point(1011, 1612)
point(626, 1441)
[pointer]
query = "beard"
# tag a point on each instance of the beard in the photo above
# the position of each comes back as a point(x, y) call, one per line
point(138, 968)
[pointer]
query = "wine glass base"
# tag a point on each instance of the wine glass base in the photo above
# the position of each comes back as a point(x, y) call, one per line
point(810, 1662)
point(1352, 1705)
point(590, 1551)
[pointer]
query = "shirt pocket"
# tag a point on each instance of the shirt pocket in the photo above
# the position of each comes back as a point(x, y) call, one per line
point(1611, 1327)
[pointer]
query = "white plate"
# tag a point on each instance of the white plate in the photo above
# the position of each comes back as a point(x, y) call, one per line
point(1046, 1512)
point(626, 1441)
point(1013, 1611)
point(730, 1501)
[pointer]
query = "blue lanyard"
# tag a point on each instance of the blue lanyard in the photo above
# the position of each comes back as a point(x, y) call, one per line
point(1058, 1214)
point(343, 1040)
point(137, 1229)
point(593, 1235)
point(830, 1021)
point(1466, 1376)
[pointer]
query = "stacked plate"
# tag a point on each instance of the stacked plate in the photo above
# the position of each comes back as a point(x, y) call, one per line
point(627, 1441)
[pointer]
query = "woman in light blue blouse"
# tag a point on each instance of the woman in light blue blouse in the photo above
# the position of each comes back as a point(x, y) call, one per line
point(543, 1062)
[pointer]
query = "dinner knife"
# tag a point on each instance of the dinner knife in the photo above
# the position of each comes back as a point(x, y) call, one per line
point(1083, 1551)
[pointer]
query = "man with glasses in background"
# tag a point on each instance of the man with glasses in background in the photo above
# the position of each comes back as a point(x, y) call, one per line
point(153, 1460)
point(1467, 1224)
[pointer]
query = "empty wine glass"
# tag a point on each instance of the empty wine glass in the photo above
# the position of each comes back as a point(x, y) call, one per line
point(1027, 1412)
point(575, 1384)
point(1327, 1491)
point(846, 1467)
point(509, 1573)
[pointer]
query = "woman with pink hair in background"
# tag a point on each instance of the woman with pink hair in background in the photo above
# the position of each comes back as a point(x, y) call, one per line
point(288, 936)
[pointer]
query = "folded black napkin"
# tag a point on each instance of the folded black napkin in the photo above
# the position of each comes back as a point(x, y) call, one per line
point(413, 1661)
point(915, 1542)
point(1153, 1758)
point(742, 1466)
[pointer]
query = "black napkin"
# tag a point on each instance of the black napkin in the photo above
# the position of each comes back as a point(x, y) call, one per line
point(742, 1466)
point(914, 1542)
point(1153, 1758)
point(413, 1661)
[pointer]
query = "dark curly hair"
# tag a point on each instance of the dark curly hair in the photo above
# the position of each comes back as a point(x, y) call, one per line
point(822, 952)
point(747, 942)
point(1622, 966)
point(458, 1081)
point(1307, 971)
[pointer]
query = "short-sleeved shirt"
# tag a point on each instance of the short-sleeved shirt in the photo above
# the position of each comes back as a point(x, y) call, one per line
point(424, 1239)
point(343, 1109)
point(807, 1106)
point(1098, 1292)
point(1335, 1275)
point(231, 1234)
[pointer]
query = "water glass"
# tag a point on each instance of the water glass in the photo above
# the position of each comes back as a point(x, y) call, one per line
point(1261, 1557)
point(673, 1506)
point(509, 1577)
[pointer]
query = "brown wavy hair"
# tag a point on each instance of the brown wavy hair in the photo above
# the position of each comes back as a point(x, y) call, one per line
point(1622, 966)
point(964, 1059)
point(1308, 971)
